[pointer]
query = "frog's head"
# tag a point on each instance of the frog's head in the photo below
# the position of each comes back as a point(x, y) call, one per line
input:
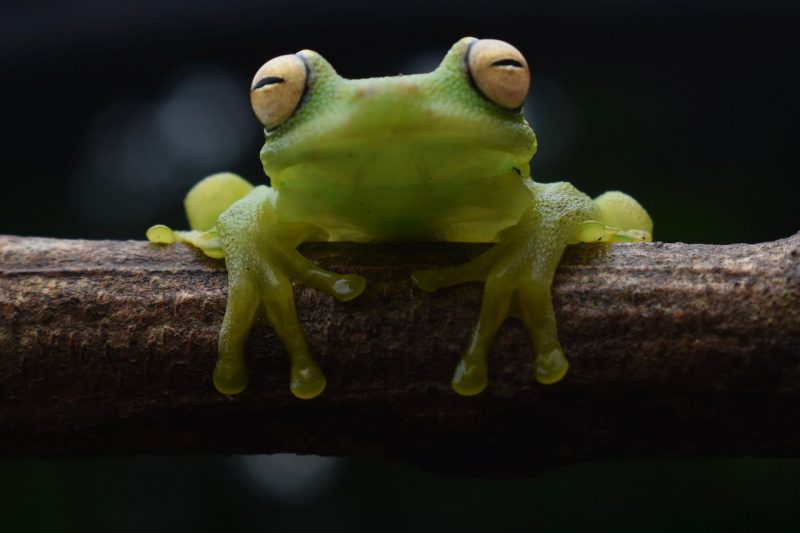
point(463, 120)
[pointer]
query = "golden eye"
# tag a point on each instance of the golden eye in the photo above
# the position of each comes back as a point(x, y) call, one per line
point(499, 71)
point(277, 89)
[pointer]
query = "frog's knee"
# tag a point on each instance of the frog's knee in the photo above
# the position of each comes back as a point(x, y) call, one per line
point(618, 210)
point(211, 196)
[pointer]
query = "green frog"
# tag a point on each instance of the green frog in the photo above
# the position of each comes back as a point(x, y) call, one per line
point(442, 156)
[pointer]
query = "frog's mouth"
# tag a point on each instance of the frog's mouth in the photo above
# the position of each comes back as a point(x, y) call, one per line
point(401, 147)
point(390, 160)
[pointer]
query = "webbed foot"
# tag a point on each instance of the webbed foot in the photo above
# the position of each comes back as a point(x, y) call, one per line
point(207, 241)
point(262, 261)
point(204, 203)
point(514, 287)
point(264, 287)
point(617, 217)
point(595, 231)
point(518, 272)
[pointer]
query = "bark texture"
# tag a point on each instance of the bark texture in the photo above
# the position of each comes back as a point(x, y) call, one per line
point(675, 349)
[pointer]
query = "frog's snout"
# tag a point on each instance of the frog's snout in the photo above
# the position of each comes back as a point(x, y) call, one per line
point(401, 90)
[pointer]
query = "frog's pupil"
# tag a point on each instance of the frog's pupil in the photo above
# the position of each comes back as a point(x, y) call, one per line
point(269, 80)
point(507, 63)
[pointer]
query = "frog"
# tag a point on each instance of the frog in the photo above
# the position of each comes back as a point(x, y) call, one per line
point(440, 156)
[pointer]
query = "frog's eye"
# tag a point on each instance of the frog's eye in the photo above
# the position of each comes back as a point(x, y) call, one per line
point(499, 71)
point(277, 89)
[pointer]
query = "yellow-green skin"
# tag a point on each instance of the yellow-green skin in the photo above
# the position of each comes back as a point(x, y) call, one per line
point(420, 157)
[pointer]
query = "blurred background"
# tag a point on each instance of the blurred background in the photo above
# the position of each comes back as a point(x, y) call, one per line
point(112, 110)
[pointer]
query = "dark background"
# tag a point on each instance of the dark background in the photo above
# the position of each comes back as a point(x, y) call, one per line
point(110, 111)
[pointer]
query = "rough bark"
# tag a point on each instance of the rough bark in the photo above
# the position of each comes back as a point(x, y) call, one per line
point(107, 348)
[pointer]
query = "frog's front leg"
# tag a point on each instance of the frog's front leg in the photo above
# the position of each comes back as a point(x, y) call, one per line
point(519, 272)
point(262, 260)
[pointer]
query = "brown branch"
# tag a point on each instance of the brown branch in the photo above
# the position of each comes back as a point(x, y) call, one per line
point(108, 347)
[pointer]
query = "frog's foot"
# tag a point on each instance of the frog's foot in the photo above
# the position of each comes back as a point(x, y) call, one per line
point(595, 231)
point(263, 287)
point(476, 269)
point(207, 241)
point(617, 217)
point(262, 260)
point(518, 272)
point(204, 203)
point(511, 290)
point(250, 295)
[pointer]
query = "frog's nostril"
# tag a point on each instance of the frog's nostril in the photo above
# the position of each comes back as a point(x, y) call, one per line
point(398, 93)
point(410, 88)
point(364, 92)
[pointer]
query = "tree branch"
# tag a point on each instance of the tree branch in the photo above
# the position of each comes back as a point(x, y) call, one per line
point(675, 349)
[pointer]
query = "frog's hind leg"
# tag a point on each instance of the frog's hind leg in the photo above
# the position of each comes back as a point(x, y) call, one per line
point(518, 272)
point(262, 260)
point(617, 217)
point(204, 203)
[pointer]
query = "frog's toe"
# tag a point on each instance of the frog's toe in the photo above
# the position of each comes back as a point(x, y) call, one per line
point(477, 269)
point(307, 381)
point(206, 241)
point(429, 280)
point(633, 235)
point(534, 305)
point(470, 377)
point(348, 287)
point(343, 287)
point(550, 367)
point(230, 372)
point(230, 377)
point(160, 234)
point(594, 231)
